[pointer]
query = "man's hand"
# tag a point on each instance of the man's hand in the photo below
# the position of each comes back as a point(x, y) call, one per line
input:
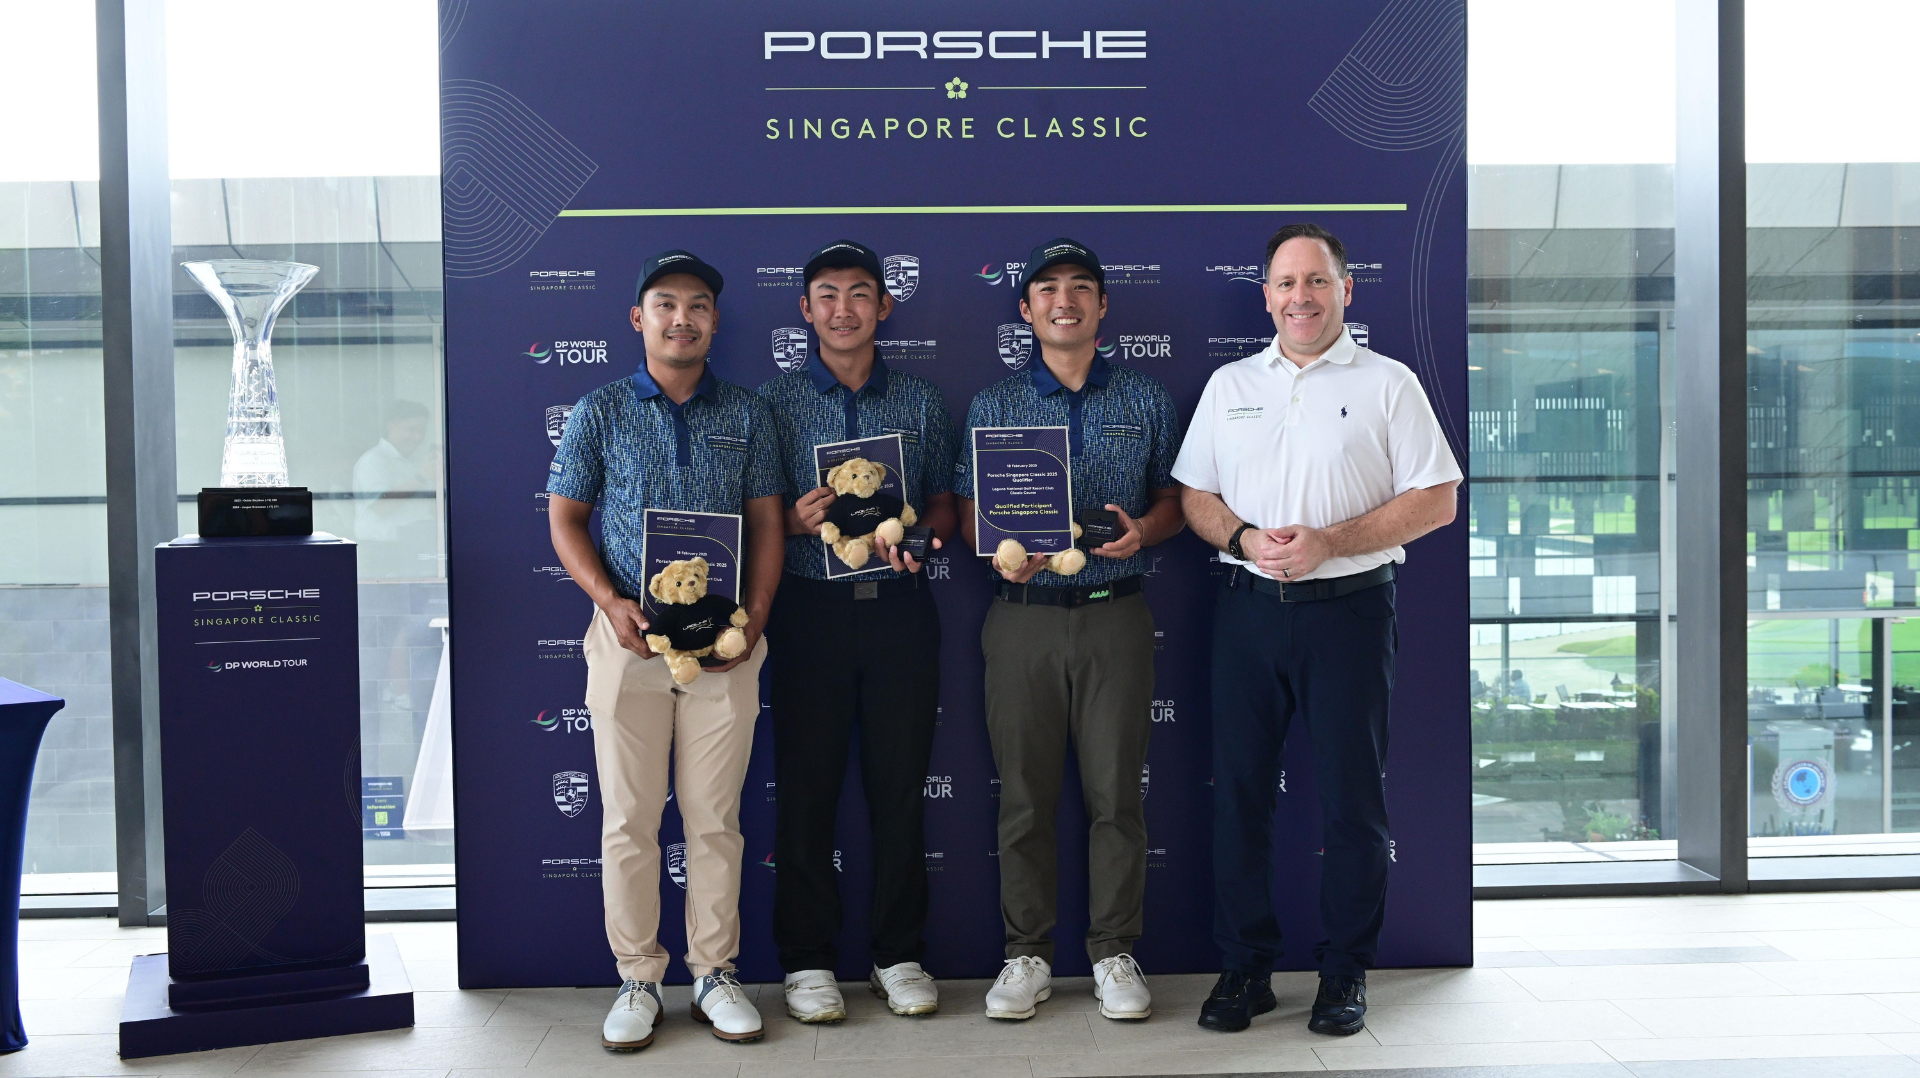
point(903, 563)
point(1290, 552)
point(1035, 563)
point(809, 512)
point(1131, 537)
point(629, 623)
point(752, 630)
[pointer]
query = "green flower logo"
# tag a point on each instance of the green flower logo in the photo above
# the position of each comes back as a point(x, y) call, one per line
point(956, 88)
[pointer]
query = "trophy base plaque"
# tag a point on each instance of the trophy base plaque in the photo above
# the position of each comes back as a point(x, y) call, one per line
point(255, 512)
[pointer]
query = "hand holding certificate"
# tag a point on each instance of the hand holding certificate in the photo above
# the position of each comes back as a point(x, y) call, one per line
point(1023, 500)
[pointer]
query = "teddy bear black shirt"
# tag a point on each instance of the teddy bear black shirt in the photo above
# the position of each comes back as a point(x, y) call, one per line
point(860, 516)
point(692, 626)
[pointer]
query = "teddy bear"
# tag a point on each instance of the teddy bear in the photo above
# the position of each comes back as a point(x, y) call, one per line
point(690, 623)
point(1010, 556)
point(860, 510)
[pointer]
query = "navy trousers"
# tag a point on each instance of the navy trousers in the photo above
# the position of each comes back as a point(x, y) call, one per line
point(1330, 663)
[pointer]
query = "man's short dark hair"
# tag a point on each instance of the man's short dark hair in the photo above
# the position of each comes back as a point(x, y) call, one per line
point(402, 410)
point(1307, 230)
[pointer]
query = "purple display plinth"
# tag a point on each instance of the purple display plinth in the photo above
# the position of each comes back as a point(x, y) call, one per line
point(149, 1027)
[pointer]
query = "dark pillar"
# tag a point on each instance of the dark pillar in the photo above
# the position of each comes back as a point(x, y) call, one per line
point(136, 285)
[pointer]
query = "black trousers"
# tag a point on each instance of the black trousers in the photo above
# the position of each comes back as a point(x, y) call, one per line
point(1330, 663)
point(839, 662)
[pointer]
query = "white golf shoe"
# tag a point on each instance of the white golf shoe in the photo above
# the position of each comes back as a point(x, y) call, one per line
point(1023, 982)
point(629, 1026)
point(814, 996)
point(906, 987)
point(718, 998)
point(1121, 988)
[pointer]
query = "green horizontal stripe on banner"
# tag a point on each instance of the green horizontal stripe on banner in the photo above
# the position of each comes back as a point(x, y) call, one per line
point(1225, 207)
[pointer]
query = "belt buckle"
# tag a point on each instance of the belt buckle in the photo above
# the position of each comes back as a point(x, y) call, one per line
point(866, 589)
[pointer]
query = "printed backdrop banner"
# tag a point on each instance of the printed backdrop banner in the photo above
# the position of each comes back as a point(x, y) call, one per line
point(578, 138)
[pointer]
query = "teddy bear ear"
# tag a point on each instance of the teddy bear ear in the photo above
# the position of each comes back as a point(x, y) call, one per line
point(653, 586)
point(700, 564)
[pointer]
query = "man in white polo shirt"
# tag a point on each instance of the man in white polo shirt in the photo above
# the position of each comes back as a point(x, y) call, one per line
point(1309, 465)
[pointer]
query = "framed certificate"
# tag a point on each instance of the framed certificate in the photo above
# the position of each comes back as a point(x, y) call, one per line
point(671, 535)
point(884, 451)
point(1023, 489)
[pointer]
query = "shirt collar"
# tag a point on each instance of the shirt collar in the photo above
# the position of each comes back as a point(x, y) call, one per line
point(1046, 385)
point(824, 381)
point(644, 384)
point(1341, 351)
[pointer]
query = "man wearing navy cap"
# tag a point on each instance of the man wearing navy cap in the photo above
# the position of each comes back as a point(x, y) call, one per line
point(1070, 658)
point(879, 667)
point(671, 436)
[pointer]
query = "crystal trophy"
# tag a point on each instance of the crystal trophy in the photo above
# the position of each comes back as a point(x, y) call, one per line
point(253, 497)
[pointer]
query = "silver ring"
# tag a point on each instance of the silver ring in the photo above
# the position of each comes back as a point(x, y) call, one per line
point(1286, 574)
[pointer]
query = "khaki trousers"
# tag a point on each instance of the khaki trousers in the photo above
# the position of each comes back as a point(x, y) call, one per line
point(639, 717)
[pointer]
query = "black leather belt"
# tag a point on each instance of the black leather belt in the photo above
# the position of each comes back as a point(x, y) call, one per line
point(1310, 591)
point(1041, 595)
point(857, 589)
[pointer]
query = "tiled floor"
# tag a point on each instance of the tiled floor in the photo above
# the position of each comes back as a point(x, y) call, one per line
point(1755, 986)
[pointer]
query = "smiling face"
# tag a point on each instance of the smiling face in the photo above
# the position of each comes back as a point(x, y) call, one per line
point(677, 318)
point(846, 306)
point(1307, 294)
point(1065, 305)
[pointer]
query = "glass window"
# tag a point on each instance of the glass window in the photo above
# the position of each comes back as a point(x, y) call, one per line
point(353, 189)
point(1570, 246)
point(1833, 441)
point(53, 537)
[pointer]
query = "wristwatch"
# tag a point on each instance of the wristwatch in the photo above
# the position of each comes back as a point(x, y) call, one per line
point(1233, 544)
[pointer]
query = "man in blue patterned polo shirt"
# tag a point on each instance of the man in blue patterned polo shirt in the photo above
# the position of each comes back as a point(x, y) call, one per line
point(1072, 657)
point(672, 436)
point(863, 650)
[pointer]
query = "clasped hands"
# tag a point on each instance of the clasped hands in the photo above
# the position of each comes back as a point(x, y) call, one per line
point(1287, 553)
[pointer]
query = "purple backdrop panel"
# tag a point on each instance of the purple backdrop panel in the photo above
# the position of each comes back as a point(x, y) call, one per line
point(951, 140)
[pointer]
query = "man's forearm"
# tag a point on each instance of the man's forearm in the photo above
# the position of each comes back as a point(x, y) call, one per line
point(567, 525)
point(766, 556)
point(1207, 514)
point(1397, 523)
point(1163, 520)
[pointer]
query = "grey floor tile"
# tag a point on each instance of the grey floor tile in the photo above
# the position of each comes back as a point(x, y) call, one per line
point(1644, 982)
point(1646, 956)
point(471, 1008)
point(640, 1062)
point(1519, 1070)
point(1376, 1058)
point(1762, 1016)
point(947, 1036)
point(1824, 1067)
point(99, 1054)
point(1388, 986)
point(420, 1048)
point(961, 1067)
point(1456, 1023)
point(1249, 1060)
point(48, 1017)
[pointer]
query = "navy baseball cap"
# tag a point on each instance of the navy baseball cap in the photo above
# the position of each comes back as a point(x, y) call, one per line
point(1057, 252)
point(676, 261)
point(843, 254)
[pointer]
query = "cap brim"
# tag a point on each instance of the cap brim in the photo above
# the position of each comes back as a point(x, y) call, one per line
point(704, 272)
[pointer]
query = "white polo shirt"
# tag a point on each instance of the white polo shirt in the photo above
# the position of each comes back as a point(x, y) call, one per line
point(1317, 445)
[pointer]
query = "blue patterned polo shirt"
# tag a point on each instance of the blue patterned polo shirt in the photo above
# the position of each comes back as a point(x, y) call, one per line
point(629, 448)
point(1123, 435)
point(811, 407)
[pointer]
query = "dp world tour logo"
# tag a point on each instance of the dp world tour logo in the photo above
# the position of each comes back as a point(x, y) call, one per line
point(1008, 272)
point(1016, 344)
point(903, 276)
point(677, 863)
point(215, 667)
point(557, 422)
point(570, 792)
point(1100, 345)
point(537, 353)
point(790, 347)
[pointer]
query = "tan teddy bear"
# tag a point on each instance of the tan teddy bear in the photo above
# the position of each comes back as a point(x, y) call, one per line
point(860, 510)
point(691, 624)
point(1010, 556)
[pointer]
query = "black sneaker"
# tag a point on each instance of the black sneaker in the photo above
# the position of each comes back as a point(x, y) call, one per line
point(1235, 999)
point(1340, 1009)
